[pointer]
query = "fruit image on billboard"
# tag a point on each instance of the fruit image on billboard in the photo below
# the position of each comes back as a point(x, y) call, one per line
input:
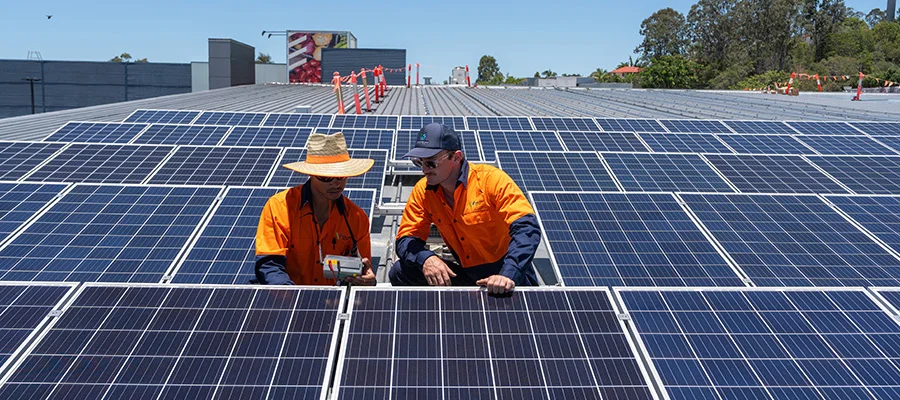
point(305, 53)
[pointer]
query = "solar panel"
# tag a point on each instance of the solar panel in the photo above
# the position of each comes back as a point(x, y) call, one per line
point(238, 166)
point(878, 128)
point(298, 120)
point(493, 141)
point(499, 123)
point(182, 134)
point(765, 144)
point(863, 175)
point(464, 344)
point(24, 309)
point(363, 138)
point(110, 233)
point(664, 172)
point(793, 240)
point(890, 295)
point(406, 140)
point(846, 145)
point(880, 215)
point(373, 179)
point(365, 121)
point(773, 174)
point(96, 132)
point(267, 136)
point(823, 128)
point(17, 158)
point(766, 344)
point(225, 251)
point(694, 126)
point(230, 118)
point(760, 127)
point(19, 202)
point(564, 124)
point(416, 122)
point(162, 116)
point(601, 141)
point(629, 125)
point(891, 141)
point(102, 163)
point(684, 143)
point(569, 171)
point(176, 341)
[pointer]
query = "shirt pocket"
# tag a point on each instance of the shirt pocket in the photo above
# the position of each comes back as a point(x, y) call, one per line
point(477, 217)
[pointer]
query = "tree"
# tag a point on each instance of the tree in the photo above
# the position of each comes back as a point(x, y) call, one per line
point(548, 73)
point(488, 70)
point(875, 16)
point(511, 80)
point(598, 74)
point(670, 72)
point(664, 34)
point(537, 74)
point(264, 58)
point(820, 19)
point(126, 58)
point(712, 25)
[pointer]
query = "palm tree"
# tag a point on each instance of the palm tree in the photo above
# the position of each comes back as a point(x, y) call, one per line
point(598, 74)
point(548, 73)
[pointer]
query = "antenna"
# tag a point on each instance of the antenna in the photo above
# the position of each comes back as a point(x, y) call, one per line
point(35, 55)
point(891, 9)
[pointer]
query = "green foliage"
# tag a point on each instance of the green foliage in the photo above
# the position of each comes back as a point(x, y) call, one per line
point(762, 80)
point(670, 72)
point(126, 58)
point(264, 58)
point(548, 73)
point(489, 71)
point(511, 80)
point(664, 33)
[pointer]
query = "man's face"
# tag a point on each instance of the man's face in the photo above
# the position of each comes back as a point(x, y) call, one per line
point(439, 168)
point(327, 187)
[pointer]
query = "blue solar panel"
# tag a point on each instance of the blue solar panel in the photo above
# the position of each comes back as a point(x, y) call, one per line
point(824, 128)
point(684, 143)
point(19, 202)
point(109, 233)
point(767, 344)
point(18, 158)
point(96, 132)
point(416, 122)
point(230, 118)
point(629, 125)
point(267, 136)
point(765, 144)
point(365, 121)
point(846, 145)
point(238, 166)
point(760, 127)
point(694, 126)
point(183, 134)
point(569, 171)
point(891, 296)
point(181, 342)
point(601, 141)
point(364, 138)
point(225, 251)
point(464, 344)
point(878, 128)
point(493, 141)
point(634, 239)
point(299, 120)
point(25, 308)
point(564, 124)
point(499, 123)
point(891, 141)
point(162, 116)
point(793, 240)
point(102, 163)
point(863, 175)
point(773, 174)
point(406, 140)
point(879, 215)
point(374, 179)
point(655, 172)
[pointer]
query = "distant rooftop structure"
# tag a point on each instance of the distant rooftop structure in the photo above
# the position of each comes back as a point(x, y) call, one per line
point(626, 70)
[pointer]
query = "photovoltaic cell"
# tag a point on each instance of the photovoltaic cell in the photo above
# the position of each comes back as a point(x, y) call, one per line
point(773, 174)
point(863, 175)
point(363, 138)
point(629, 125)
point(765, 144)
point(102, 163)
point(793, 240)
point(267, 136)
point(110, 233)
point(175, 341)
point(878, 128)
point(464, 344)
point(879, 215)
point(238, 166)
point(499, 123)
point(559, 171)
point(846, 145)
point(23, 308)
point(633, 239)
point(163, 116)
point(365, 121)
point(230, 118)
point(416, 122)
point(564, 124)
point(182, 134)
point(767, 344)
point(662, 172)
point(225, 250)
point(760, 127)
point(96, 132)
point(601, 141)
point(21, 201)
point(493, 141)
point(406, 140)
point(891, 141)
point(694, 126)
point(373, 179)
point(824, 128)
point(18, 158)
point(684, 143)
point(298, 120)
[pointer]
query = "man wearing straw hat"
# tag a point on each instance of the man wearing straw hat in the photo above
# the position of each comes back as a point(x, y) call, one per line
point(300, 226)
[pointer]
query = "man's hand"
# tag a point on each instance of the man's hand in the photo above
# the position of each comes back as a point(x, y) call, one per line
point(367, 278)
point(497, 284)
point(436, 271)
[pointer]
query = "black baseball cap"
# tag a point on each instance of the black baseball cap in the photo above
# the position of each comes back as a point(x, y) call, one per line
point(434, 138)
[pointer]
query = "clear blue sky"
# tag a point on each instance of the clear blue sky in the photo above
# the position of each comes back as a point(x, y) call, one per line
point(566, 36)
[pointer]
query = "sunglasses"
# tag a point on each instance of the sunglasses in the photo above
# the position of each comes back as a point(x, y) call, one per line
point(327, 179)
point(430, 163)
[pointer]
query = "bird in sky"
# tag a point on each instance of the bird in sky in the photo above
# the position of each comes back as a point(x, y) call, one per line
point(49, 16)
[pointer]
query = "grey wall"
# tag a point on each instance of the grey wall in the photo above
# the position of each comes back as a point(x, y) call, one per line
point(73, 84)
point(346, 60)
point(231, 63)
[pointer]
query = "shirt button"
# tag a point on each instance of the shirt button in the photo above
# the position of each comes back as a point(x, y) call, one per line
point(316, 280)
point(462, 238)
point(454, 220)
point(467, 257)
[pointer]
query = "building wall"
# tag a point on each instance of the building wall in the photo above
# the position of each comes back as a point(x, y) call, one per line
point(231, 63)
point(265, 73)
point(346, 60)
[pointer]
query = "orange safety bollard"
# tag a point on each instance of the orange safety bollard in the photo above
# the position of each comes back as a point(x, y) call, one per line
point(355, 92)
point(818, 82)
point(377, 85)
point(859, 88)
point(362, 72)
point(790, 82)
point(468, 82)
point(337, 91)
point(384, 87)
point(417, 74)
point(408, 74)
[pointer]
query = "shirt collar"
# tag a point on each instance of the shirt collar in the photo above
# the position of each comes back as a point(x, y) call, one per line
point(306, 197)
point(462, 180)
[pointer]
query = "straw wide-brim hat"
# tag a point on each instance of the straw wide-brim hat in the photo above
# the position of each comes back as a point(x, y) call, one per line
point(327, 155)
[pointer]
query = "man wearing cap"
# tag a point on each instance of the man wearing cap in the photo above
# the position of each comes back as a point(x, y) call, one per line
point(481, 214)
point(300, 226)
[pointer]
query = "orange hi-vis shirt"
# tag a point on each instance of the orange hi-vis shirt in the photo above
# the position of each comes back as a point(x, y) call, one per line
point(287, 227)
point(486, 203)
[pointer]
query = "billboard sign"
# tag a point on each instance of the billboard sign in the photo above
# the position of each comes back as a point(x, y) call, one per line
point(304, 52)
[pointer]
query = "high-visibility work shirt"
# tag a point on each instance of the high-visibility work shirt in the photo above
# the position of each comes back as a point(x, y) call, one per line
point(287, 227)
